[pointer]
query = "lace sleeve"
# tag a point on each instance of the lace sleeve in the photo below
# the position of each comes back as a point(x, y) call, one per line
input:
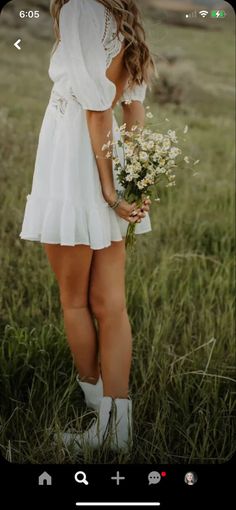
point(111, 42)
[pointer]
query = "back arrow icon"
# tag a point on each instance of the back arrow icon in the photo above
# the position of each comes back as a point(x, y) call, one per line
point(17, 43)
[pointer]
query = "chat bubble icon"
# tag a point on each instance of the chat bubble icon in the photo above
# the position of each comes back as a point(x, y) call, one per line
point(154, 477)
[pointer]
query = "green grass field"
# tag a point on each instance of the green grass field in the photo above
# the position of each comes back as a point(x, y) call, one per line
point(180, 283)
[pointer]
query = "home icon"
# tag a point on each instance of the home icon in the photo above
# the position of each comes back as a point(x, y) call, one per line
point(45, 479)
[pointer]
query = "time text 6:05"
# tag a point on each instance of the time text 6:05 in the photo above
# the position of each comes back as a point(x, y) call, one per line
point(29, 14)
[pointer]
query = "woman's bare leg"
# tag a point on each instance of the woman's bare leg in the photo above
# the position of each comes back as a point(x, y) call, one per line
point(71, 265)
point(107, 301)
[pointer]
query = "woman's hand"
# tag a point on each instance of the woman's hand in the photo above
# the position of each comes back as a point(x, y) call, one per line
point(129, 212)
point(132, 213)
point(143, 209)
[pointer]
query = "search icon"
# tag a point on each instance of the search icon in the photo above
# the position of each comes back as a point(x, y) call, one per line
point(78, 478)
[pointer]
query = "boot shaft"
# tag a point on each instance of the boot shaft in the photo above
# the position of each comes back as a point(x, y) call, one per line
point(119, 428)
point(93, 393)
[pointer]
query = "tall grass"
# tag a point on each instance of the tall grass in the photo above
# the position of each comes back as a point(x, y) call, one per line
point(180, 282)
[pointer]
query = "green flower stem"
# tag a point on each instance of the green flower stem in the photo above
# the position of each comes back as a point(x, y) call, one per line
point(130, 239)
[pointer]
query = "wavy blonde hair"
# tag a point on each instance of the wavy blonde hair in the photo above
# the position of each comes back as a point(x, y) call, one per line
point(137, 57)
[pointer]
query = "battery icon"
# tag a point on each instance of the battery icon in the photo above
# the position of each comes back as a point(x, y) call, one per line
point(217, 14)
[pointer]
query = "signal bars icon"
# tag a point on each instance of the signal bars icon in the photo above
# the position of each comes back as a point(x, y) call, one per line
point(192, 14)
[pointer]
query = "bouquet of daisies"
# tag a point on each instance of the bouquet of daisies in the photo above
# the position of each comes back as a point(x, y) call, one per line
point(149, 157)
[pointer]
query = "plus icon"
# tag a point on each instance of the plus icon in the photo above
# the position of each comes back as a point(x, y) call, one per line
point(118, 478)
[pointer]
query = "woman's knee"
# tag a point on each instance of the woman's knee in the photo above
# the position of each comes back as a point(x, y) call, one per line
point(109, 306)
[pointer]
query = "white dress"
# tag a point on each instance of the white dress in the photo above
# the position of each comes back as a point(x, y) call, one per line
point(66, 205)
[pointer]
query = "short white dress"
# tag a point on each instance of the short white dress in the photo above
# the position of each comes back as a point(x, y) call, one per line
point(66, 205)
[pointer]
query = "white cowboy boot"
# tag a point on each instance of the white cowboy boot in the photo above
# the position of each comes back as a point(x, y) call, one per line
point(112, 429)
point(93, 393)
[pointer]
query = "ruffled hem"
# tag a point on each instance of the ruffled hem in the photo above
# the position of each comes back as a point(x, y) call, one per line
point(57, 221)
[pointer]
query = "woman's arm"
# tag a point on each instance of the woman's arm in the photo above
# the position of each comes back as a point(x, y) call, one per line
point(99, 125)
point(133, 113)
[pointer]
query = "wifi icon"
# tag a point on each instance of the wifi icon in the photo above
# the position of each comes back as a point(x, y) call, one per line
point(203, 13)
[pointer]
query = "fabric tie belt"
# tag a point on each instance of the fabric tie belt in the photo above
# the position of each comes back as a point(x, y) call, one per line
point(60, 102)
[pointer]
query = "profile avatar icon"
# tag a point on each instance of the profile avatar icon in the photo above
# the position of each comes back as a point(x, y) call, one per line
point(190, 478)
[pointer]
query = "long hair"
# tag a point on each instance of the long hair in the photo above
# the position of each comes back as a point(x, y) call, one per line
point(137, 57)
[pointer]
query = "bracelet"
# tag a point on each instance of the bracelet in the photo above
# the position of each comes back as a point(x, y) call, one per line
point(116, 203)
point(120, 196)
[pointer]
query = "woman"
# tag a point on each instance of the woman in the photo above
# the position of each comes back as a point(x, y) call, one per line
point(190, 478)
point(76, 209)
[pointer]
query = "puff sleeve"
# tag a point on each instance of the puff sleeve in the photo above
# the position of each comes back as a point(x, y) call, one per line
point(136, 93)
point(82, 24)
